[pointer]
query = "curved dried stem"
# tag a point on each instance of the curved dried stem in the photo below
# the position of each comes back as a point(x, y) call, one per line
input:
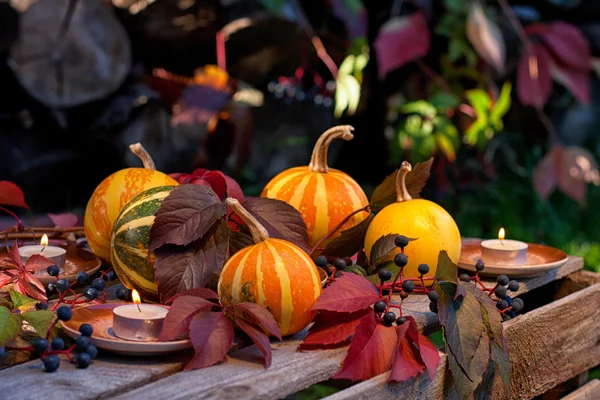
point(143, 155)
point(401, 191)
point(318, 161)
point(259, 233)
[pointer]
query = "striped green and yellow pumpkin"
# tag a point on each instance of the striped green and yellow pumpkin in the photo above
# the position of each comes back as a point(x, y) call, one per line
point(272, 273)
point(130, 240)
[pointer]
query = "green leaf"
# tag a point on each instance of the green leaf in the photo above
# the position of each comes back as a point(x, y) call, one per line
point(350, 241)
point(500, 358)
point(444, 100)
point(374, 278)
point(10, 325)
point(382, 248)
point(456, 6)
point(20, 300)
point(480, 101)
point(456, 49)
point(41, 320)
point(356, 269)
point(474, 131)
point(446, 270)
point(420, 107)
point(502, 104)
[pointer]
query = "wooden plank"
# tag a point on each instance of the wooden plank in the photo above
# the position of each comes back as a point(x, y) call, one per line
point(242, 376)
point(589, 391)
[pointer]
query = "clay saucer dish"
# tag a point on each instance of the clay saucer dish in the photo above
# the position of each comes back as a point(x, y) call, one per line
point(540, 259)
point(100, 316)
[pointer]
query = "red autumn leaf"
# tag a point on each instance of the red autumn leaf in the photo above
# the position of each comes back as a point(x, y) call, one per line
point(371, 352)
point(260, 339)
point(15, 256)
point(64, 220)
point(38, 262)
point(406, 362)
point(576, 81)
point(234, 189)
point(534, 80)
point(568, 45)
point(7, 276)
point(212, 335)
point(11, 195)
point(332, 328)
point(348, 293)
point(259, 316)
point(31, 286)
point(401, 40)
point(180, 314)
point(428, 353)
point(203, 293)
point(213, 179)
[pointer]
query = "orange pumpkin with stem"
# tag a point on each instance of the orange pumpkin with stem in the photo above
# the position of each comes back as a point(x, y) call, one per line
point(429, 223)
point(272, 273)
point(324, 196)
point(113, 193)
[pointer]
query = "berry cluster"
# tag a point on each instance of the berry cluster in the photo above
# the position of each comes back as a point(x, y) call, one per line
point(333, 269)
point(507, 306)
point(94, 292)
point(296, 89)
point(50, 348)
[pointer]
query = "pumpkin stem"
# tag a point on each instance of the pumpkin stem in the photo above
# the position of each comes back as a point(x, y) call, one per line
point(143, 155)
point(401, 190)
point(259, 233)
point(318, 161)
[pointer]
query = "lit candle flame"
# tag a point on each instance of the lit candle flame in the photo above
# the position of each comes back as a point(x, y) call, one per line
point(136, 299)
point(501, 234)
point(44, 241)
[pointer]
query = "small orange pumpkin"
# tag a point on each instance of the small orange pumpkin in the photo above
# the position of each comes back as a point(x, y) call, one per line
point(113, 193)
point(272, 273)
point(324, 196)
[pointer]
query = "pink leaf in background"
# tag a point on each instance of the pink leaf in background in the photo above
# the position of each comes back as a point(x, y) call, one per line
point(576, 81)
point(534, 81)
point(401, 40)
point(64, 220)
point(11, 195)
point(568, 45)
point(486, 37)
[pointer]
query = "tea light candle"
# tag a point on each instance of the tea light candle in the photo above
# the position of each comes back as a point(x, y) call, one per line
point(139, 322)
point(503, 252)
point(58, 255)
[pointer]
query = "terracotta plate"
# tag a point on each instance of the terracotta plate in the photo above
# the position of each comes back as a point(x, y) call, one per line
point(540, 259)
point(100, 317)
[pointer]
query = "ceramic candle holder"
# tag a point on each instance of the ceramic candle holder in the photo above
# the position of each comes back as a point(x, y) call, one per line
point(504, 252)
point(58, 255)
point(139, 322)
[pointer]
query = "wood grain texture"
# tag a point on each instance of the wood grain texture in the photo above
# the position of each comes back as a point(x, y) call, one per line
point(589, 391)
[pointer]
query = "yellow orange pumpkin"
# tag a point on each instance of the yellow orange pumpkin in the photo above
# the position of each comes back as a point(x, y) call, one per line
point(112, 194)
point(425, 220)
point(324, 196)
point(272, 273)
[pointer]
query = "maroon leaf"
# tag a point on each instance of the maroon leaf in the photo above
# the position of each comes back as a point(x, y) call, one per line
point(185, 216)
point(576, 81)
point(204, 177)
point(11, 195)
point(331, 329)
point(180, 314)
point(259, 316)
point(65, 220)
point(401, 40)
point(237, 241)
point(234, 190)
point(350, 241)
point(534, 81)
point(348, 293)
point(179, 269)
point(15, 256)
point(406, 362)
point(212, 335)
point(568, 45)
point(31, 286)
point(486, 37)
point(429, 354)
point(38, 262)
point(203, 293)
point(281, 220)
point(382, 248)
point(371, 352)
point(258, 337)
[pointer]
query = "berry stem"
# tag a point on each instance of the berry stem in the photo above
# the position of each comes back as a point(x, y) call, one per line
point(48, 334)
point(398, 276)
point(338, 226)
point(15, 216)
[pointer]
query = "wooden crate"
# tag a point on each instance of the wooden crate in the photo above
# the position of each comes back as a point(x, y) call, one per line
point(548, 345)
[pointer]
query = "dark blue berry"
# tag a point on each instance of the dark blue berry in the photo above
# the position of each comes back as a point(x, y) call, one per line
point(82, 277)
point(423, 269)
point(52, 286)
point(41, 306)
point(500, 292)
point(513, 286)
point(479, 265)
point(321, 261)
point(339, 264)
point(502, 304)
point(400, 320)
point(502, 280)
point(62, 285)
point(51, 363)
point(98, 284)
point(53, 270)
point(84, 360)
point(408, 286)
point(92, 351)
point(389, 318)
point(40, 345)
point(380, 306)
point(123, 294)
point(401, 260)
point(384, 274)
point(90, 293)
point(511, 313)
point(401, 241)
point(508, 299)
point(517, 305)
point(111, 275)
point(81, 343)
point(2, 352)
point(465, 278)
point(57, 344)
point(86, 329)
point(505, 317)
point(433, 307)
point(433, 295)
point(64, 313)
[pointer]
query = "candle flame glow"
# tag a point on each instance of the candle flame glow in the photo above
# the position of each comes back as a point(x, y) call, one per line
point(501, 234)
point(44, 241)
point(136, 297)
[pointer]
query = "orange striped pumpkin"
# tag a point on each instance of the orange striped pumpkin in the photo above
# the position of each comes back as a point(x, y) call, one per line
point(112, 194)
point(272, 273)
point(324, 196)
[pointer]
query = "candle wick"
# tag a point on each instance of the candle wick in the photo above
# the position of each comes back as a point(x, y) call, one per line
point(501, 242)
point(138, 306)
point(43, 248)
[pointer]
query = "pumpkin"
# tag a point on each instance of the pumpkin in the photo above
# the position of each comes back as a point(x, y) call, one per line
point(130, 239)
point(324, 196)
point(272, 273)
point(424, 220)
point(112, 194)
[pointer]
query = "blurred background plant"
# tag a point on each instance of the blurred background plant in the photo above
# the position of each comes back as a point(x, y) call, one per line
point(504, 94)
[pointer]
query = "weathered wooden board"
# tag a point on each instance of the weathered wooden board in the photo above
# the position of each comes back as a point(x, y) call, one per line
point(242, 376)
point(589, 391)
